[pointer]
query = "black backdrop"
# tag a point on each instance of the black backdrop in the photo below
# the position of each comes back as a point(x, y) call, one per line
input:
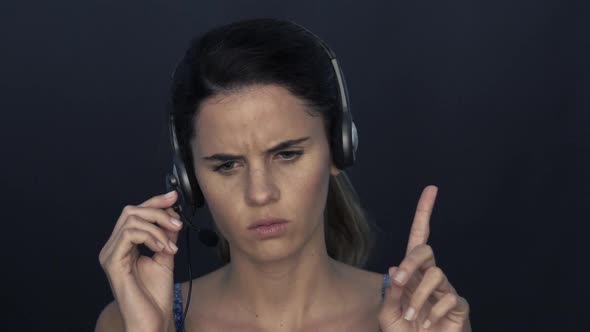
point(487, 100)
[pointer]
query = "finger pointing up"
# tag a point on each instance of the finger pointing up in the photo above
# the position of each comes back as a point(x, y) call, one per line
point(421, 225)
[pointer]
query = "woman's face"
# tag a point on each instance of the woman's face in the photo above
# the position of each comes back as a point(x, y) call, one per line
point(257, 181)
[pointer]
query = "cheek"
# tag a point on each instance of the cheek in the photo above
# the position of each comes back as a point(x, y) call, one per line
point(219, 197)
point(306, 190)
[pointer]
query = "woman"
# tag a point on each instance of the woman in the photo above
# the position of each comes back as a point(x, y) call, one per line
point(253, 85)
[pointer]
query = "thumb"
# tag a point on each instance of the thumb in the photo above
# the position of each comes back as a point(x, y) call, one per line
point(391, 309)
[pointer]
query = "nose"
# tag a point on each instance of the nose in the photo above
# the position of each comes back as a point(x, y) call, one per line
point(261, 188)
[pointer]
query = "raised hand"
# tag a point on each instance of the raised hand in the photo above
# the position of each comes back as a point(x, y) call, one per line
point(420, 297)
point(143, 285)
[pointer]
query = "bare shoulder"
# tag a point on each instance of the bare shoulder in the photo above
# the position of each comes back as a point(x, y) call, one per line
point(369, 277)
point(367, 285)
point(359, 301)
point(110, 319)
point(204, 286)
point(205, 291)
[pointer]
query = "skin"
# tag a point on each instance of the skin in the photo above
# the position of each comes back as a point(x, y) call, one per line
point(288, 283)
point(278, 185)
point(421, 297)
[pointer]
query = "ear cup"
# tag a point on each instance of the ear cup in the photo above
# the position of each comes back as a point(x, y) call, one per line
point(344, 141)
point(172, 184)
point(348, 136)
point(344, 136)
point(355, 141)
point(184, 181)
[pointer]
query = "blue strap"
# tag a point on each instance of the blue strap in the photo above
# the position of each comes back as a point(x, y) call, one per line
point(386, 284)
point(177, 308)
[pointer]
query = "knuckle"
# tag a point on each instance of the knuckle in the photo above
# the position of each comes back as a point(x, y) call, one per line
point(158, 234)
point(127, 209)
point(436, 313)
point(133, 220)
point(104, 262)
point(467, 307)
point(105, 267)
point(426, 249)
point(405, 267)
point(172, 213)
point(436, 272)
point(461, 300)
point(418, 298)
point(410, 260)
point(103, 255)
point(162, 215)
point(452, 299)
point(127, 233)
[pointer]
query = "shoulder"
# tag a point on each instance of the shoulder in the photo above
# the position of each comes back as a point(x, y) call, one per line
point(366, 286)
point(110, 319)
point(358, 298)
point(205, 293)
point(204, 285)
point(368, 279)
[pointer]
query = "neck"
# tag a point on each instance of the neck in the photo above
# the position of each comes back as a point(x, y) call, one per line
point(285, 290)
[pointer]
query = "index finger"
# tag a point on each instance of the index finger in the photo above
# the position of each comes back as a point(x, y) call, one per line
point(421, 225)
point(161, 201)
point(157, 202)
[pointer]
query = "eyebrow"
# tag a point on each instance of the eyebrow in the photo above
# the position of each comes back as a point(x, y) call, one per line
point(278, 147)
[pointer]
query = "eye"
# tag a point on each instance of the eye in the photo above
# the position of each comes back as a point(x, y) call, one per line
point(224, 167)
point(290, 155)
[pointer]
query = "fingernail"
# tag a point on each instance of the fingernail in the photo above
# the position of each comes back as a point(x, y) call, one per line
point(426, 324)
point(400, 276)
point(170, 194)
point(173, 246)
point(176, 222)
point(409, 314)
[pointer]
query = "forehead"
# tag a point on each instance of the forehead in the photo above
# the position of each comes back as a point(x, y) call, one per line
point(255, 117)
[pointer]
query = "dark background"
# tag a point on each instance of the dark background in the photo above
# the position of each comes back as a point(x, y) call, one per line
point(487, 100)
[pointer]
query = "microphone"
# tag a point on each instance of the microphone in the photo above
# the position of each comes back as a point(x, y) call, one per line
point(207, 236)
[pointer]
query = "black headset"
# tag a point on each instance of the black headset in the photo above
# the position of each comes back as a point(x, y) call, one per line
point(344, 139)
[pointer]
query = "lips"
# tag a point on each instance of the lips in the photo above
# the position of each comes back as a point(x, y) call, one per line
point(267, 222)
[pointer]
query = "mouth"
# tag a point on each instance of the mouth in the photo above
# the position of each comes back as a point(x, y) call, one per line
point(267, 222)
point(269, 228)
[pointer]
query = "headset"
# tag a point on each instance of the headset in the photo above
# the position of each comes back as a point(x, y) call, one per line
point(344, 139)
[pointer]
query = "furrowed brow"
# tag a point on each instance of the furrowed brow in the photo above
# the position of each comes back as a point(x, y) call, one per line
point(278, 147)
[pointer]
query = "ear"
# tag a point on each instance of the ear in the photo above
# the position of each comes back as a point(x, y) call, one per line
point(334, 170)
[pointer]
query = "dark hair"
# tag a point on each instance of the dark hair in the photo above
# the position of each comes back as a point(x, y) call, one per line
point(272, 51)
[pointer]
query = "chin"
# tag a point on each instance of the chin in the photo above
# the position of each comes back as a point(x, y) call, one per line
point(270, 251)
point(277, 251)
